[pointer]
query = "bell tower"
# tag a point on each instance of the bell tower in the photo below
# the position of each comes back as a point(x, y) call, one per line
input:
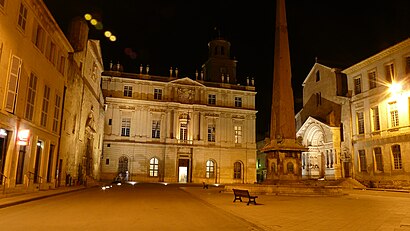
point(220, 67)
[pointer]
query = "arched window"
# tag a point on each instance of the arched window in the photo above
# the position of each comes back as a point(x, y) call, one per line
point(153, 167)
point(237, 170)
point(290, 167)
point(210, 169)
point(122, 165)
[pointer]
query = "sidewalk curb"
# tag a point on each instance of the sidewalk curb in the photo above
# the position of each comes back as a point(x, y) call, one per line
point(37, 197)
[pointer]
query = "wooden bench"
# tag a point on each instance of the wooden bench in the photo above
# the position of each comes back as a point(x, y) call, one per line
point(239, 193)
point(205, 186)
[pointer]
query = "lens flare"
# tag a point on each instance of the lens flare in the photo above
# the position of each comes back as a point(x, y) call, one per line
point(107, 34)
point(113, 38)
point(88, 17)
point(93, 22)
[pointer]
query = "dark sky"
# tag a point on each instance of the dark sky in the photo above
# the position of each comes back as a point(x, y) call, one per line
point(176, 33)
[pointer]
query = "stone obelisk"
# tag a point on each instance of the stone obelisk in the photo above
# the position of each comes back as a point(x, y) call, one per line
point(283, 152)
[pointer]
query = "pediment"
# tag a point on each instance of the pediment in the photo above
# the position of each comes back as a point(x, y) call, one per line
point(312, 72)
point(187, 81)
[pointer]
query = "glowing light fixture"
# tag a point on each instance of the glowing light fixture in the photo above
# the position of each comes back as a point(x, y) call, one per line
point(395, 88)
point(93, 22)
point(88, 17)
point(3, 132)
point(107, 34)
point(23, 137)
point(113, 38)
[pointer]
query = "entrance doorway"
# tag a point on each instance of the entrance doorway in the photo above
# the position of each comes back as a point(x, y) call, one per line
point(183, 171)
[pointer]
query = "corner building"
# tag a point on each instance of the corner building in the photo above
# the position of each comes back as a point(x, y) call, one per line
point(170, 129)
point(380, 106)
point(33, 73)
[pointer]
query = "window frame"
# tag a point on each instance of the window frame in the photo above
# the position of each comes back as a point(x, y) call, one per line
point(158, 93)
point(378, 159)
point(126, 127)
point(22, 17)
point(397, 158)
point(153, 167)
point(375, 118)
point(357, 83)
point(127, 91)
point(360, 122)
point(211, 99)
point(372, 76)
point(237, 170)
point(238, 134)
point(31, 97)
point(238, 101)
point(210, 169)
point(211, 132)
point(156, 129)
point(362, 160)
point(45, 106)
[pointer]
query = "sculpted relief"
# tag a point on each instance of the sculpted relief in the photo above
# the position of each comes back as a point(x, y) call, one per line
point(185, 95)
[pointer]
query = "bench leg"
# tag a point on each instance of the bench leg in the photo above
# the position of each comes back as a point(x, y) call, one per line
point(237, 198)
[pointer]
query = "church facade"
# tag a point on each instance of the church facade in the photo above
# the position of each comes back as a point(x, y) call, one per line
point(170, 129)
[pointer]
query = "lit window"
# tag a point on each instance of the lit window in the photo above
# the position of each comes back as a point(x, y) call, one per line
point(378, 158)
point(128, 91)
point(238, 134)
point(153, 167)
point(372, 79)
point(156, 125)
point(394, 114)
point(357, 85)
point(56, 118)
point(210, 169)
point(360, 123)
point(158, 94)
point(362, 159)
point(44, 109)
point(211, 99)
point(389, 72)
point(396, 156)
point(375, 118)
point(125, 127)
point(22, 19)
point(183, 131)
point(238, 102)
point(211, 132)
point(237, 170)
point(31, 97)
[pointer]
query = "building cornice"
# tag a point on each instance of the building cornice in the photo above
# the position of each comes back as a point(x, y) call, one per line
point(391, 50)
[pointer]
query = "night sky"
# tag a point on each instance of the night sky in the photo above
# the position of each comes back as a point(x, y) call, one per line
point(176, 33)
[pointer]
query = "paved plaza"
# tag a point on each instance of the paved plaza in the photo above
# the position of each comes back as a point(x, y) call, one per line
point(356, 210)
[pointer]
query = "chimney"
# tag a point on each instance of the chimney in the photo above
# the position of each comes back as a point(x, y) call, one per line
point(170, 72)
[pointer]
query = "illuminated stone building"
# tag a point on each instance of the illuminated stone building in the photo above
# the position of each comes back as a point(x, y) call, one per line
point(319, 123)
point(33, 72)
point(380, 106)
point(170, 129)
point(83, 117)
